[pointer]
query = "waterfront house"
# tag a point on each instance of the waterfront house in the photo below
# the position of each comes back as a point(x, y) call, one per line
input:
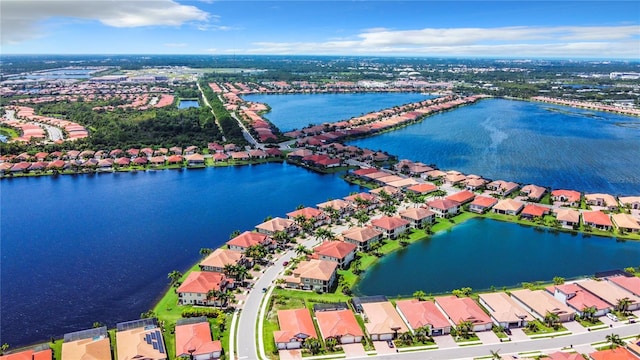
point(240, 155)
point(597, 219)
point(382, 321)
point(194, 159)
point(338, 251)
point(402, 183)
point(462, 197)
point(146, 152)
point(363, 237)
point(140, 161)
point(317, 217)
point(474, 183)
point(630, 202)
point(219, 258)
point(249, 238)
point(140, 342)
point(342, 207)
point(422, 188)
point(433, 175)
point(276, 224)
point(568, 218)
point(194, 340)
point(174, 159)
point(454, 178)
point(32, 354)
point(605, 201)
point(619, 353)
point(578, 298)
point(419, 314)
point(482, 203)
point(313, 274)
point(296, 326)
point(175, 150)
point(390, 226)
point(157, 161)
point(195, 288)
point(418, 217)
point(626, 222)
point(567, 197)
point(190, 150)
point(444, 208)
point(508, 207)
point(532, 211)
point(458, 310)
point(217, 157)
point(504, 311)
point(628, 283)
point(610, 292)
point(390, 190)
point(363, 201)
point(533, 192)
point(87, 344)
point(540, 302)
point(340, 325)
point(503, 188)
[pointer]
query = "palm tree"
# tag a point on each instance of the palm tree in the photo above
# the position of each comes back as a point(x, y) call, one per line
point(495, 354)
point(312, 344)
point(588, 313)
point(175, 276)
point(355, 265)
point(325, 234)
point(205, 251)
point(257, 252)
point(464, 329)
point(420, 295)
point(422, 333)
point(552, 320)
point(234, 234)
point(214, 294)
point(302, 250)
point(4, 348)
point(241, 274)
point(614, 340)
point(388, 209)
point(532, 326)
point(331, 343)
point(406, 338)
point(281, 237)
point(622, 305)
point(230, 269)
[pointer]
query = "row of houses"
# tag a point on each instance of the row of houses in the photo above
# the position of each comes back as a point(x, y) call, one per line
point(72, 130)
point(384, 321)
point(137, 339)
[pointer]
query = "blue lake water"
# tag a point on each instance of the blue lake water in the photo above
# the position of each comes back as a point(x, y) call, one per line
point(80, 249)
point(483, 253)
point(295, 111)
point(526, 142)
point(183, 104)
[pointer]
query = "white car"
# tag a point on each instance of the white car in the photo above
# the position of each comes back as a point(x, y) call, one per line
point(613, 317)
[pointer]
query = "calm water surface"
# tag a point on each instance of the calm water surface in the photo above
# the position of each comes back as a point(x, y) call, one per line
point(526, 142)
point(80, 249)
point(295, 111)
point(188, 104)
point(482, 253)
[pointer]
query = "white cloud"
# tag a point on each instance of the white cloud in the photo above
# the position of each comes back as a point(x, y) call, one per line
point(561, 41)
point(21, 19)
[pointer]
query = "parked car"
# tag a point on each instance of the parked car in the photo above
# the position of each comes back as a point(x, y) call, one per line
point(264, 290)
point(285, 263)
point(390, 343)
point(613, 317)
point(507, 331)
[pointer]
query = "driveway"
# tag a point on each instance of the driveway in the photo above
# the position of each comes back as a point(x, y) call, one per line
point(575, 327)
point(445, 341)
point(383, 348)
point(353, 350)
point(488, 337)
point(290, 354)
point(518, 335)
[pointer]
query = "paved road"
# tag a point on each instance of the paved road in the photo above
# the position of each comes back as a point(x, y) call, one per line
point(53, 132)
point(210, 107)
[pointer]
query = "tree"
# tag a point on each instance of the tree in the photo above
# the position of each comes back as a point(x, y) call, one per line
point(214, 295)
point(234, 234)
point(614, 340)
point(281, 237)
point(622, 305)
point(355, 265)
point(205, 251)
point(552, 320)
point(148, 314)
point(302, 250)
point(257, 252)
point(464, 329)
point(422, 333)
point(97, 324)
point(388, 209)
point(532, 326)
point(241, 274)
point(313, 345)
point(325, 234)
point(406, 338)
point(495, 354)
point(331, 343)
point(175, 276)
point(420, 295)
point(230, 269)
point(588, 313)
point(4, 348)
point(463, 292)
point(558, 280)
point(361, 217)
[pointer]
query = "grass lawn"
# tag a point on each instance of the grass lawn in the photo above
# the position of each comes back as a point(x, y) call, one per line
point(588, 324)
point(8, 132)
point(543, 329)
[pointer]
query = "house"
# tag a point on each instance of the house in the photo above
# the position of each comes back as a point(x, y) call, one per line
point(390, 226)
point(561, 355)
point(508, 207)
point(194, 159)
point(619, 353)
point(626, 222)
point(568, 197)
point(342, 207)
point(193, 338)
point(363, 200)
point(630, 202)
point(418, 217)
point(340, 325)
point(502, 187)
point(568, 218)
point(31, 354)
point(316, 275)
point(597, 219)
point(140, 342)
point(422, 188)
point(219, 258)
point(274, 225)
point(419, 314)
point(606, 201)
point(631, 283)
point(532, 211)
point(87, 344)
point(482, 203)
point(390, 190)
point(195, 288)
point(610, 293)
point(383, 321)
point(249, 238)
point(458, 310)
point(504, 311)
point(433, 175)
point(533, 192)
point(540, 302)
point(338, 251)
point(462, 197)
point(578, 298)
point(317, 217)
point(296, 326)
point(363, 237)
point(473, 184)
point(444, 208)
point(402, 183)
point(453, 178)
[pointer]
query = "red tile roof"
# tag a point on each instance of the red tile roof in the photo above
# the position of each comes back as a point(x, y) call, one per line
point(389, 222)
point(338, 323)
point(462, 196)
point(293, 324)
point(534, 210)
point(596, 217)
point(308, 213)
point(422, 313)
point(613, 354)
point(247, 238)
point(570, 195)
point(462, 309)
point(335, 249)
point(195, 339)
point(443, 204)
point(484, 201)
point(201, 282)
point(422, 188)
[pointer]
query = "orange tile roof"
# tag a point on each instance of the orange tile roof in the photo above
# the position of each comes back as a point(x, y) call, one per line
point(335, 249)
point(581, 298)
point(570, 195)
point(94, 349)
point(559, 355)
point(383, 318)
point(462, 309)
point(221, 257)
point(596, 217)
point(201, 282)
point(462, 196)
point(132, 344)
point(247, 238)
point(338, 323)
point(276, 224)
point(29, 355)
point(535, 210)
point(570, 215)
point(294, 323)
point(484, 201)
point(196, 337)
point(613, 354)
point(361, 234)
point(316, 269)
point(508, 205)
point(308, 213)
point(417, 213)
point(631, 284)
point(422, 188)
point(389, 222)
point(422, 313)
point(443, 204)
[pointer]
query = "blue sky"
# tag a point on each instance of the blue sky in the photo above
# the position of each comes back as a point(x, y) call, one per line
point(565, 29)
